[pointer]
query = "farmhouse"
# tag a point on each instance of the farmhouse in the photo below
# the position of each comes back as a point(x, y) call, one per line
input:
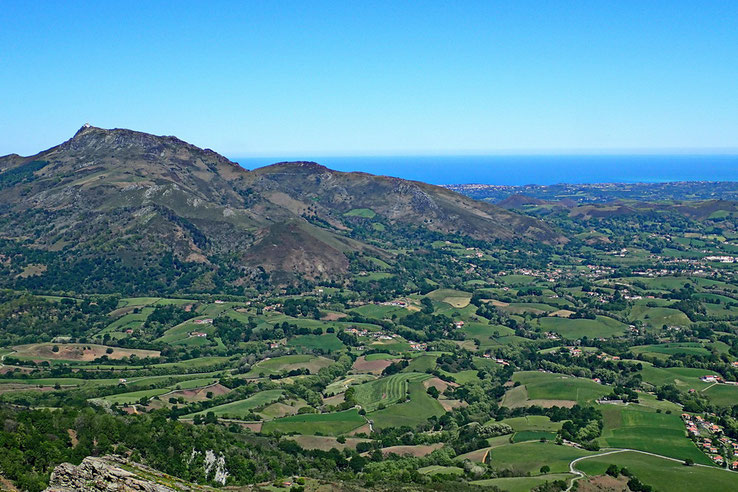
point(711, 378)
point(198, 334)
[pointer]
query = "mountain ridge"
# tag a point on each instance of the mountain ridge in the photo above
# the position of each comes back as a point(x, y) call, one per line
point(130, 196)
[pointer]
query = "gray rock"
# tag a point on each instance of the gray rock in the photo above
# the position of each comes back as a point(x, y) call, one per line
point(106, 475)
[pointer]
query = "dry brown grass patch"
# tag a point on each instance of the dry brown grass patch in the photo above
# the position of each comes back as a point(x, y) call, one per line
point(417, 451)
point(371, 366)
point(78, 352)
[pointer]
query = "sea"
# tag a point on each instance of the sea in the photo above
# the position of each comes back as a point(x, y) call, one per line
point(515, 170)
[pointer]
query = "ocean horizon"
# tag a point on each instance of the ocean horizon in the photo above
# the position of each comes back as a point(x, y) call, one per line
point(516, 170)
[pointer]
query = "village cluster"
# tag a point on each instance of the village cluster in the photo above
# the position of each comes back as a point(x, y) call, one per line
point(709, 437)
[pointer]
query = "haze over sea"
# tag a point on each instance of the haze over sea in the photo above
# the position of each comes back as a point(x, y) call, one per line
point(531, 169)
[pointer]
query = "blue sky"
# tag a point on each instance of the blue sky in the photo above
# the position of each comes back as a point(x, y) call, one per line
point(362, 78)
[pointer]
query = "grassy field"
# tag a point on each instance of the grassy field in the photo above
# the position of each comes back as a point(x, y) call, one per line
point(722, 395)
point(328, 342)
point(365, 213)
point(379, 356)
point(241, 408)
point(577, 328)
point(394, 345)
point(462, 377)
point(667, 349)
point(377, 311)
point(329, 424)
point(684, 378)
point(529, 457)
point(525, 436)
point(137, 301)
point(532, 423)
point(533, 428)
point(128, 321)
point(455, 298)
point(181, 333)
point(527, 307)
point(195, 383)
point(342, 384)
point(282, 409)
point(637, 427)
point(418, 410)
point(486, 334)
point(387, 390)
point(521, 484)
point(421, 364)
point(288, 363)
point(660, 473)
point(548, 386)
point(373, 276)
point(134, 396)
point(656, 317)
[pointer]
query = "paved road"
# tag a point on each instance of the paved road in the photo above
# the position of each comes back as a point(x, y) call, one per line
point(2, 358)
point(581, 475)
point(705, 389)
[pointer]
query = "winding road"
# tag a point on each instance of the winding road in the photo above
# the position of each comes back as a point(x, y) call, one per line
point(2, 358)
point(581, 475)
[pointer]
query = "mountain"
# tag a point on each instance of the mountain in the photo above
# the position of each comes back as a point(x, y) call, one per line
point(112, 206)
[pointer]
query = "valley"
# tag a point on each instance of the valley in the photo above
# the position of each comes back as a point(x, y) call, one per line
point(323, 329)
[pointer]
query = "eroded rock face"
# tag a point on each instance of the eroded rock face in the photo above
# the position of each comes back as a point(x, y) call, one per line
point(105, 475)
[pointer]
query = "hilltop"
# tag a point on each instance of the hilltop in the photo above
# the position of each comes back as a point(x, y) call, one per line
point(120, 207)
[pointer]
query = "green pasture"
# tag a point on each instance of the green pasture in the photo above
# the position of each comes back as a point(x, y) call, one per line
point(418, 410)
point(662, 474)
point(330, 424)
point(637, 427)
point(365, 213)
point(521, 484)
point(657, 317)
point(529, 457)
point(328, 342)
point(667, 349)
point(573, 329)
point(241, 408)
point(550, 386)
point(387, 390)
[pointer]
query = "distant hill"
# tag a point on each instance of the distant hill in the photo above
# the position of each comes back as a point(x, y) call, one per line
point(723, 213)
point(119, 206)
point(517, 201)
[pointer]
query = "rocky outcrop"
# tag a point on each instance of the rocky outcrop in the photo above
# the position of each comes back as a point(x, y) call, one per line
point(113, 474)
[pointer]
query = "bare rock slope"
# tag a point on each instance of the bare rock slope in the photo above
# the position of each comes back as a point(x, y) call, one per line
point(114, 474)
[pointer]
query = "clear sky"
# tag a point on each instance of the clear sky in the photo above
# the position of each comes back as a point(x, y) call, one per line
point(359, 78)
